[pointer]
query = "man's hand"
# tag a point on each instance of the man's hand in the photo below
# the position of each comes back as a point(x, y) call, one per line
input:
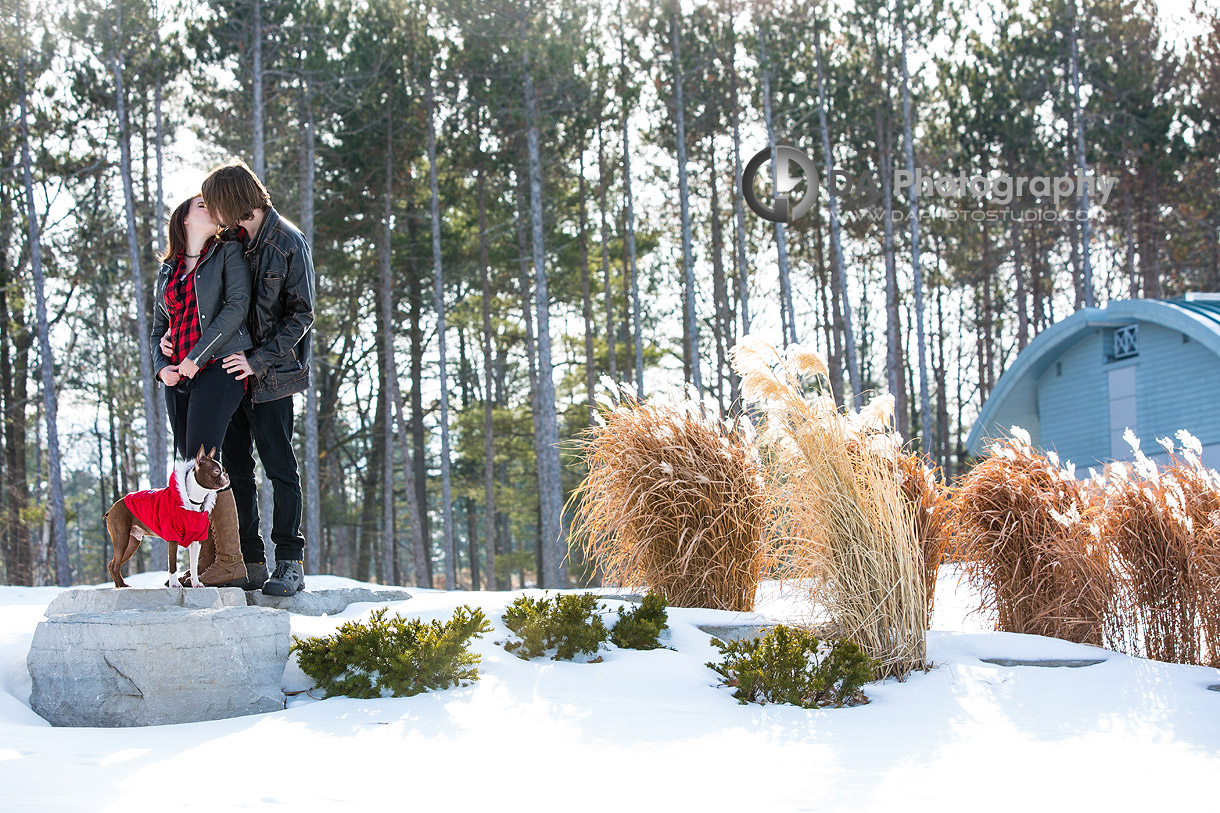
point(169, 376)
point(236, 365)
point(188, 368)
point(167, 347)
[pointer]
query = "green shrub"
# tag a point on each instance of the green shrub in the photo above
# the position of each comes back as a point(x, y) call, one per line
point(640, 627)
point(569, 623)
point(393, 657)
point(790, 665)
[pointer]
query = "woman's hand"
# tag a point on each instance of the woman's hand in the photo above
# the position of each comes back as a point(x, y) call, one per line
point(167, 347)
point(188, 368)
point(169, 376)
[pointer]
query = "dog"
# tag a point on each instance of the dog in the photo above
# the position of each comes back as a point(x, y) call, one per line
point(220, 560)
point(178, 513)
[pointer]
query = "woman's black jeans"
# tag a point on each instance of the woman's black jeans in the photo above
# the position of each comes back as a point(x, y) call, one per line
point(199, 409)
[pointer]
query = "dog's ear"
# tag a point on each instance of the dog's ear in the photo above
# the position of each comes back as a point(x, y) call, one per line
point(199, 455)
point(212, 454)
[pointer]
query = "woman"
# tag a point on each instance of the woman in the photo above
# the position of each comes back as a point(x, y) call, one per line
point(201, 301)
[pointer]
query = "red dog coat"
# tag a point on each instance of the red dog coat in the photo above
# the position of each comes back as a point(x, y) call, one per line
point(162, 511)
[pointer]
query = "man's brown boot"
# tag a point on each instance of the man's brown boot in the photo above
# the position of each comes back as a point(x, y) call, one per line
point(229, 566)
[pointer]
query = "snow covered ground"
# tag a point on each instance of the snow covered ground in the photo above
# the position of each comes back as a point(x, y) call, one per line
point(649, 731)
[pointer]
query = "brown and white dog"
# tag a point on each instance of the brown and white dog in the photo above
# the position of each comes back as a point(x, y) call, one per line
point(178, 513)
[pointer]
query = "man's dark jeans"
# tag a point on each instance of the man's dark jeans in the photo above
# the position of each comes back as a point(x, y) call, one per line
point(267, 426)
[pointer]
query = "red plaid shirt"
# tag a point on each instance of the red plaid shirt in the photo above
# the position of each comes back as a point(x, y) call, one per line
point(184, 328)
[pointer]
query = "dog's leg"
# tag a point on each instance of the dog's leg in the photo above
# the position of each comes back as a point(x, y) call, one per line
point(172, 556)
point(119, 525)
point(194, 553)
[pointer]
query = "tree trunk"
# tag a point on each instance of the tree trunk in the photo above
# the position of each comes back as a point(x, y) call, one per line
point(373, 476)
point(489, 445)
point(159, 203)
point(15, 340)
point(603, 183)
point(420, 565)
point(313, 491)
point(942, 405)
point(385, 253)
point(439, 288)
point(1152, 283)
point(1018, 270)
point(1133, 281)
point(1074, 257)
point(629, 218)
point(256, 75)
point(586, 291)
point(786, 312)
point(927, 443)
point(895, 377)
point(1082, 166)
point(554, 571)
point(836, 243)
point(1036, 283)
point(690, 323)
point(58, 510)
point(724, 322)
point(987, 356)
point(419, 454)
point(531, 346)
point(739, 219)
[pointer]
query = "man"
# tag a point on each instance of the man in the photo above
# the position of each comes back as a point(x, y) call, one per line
point(281, 316)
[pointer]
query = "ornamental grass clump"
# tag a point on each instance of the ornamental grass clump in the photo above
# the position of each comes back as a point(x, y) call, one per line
point(843, 530)
point(790, 665)
point(930, 506)
point(1164, 527)
point(393, 657)
point(674, 502)
point(1023, 529)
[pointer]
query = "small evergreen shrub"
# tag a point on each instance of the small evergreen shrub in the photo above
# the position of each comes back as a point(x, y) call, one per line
point(568, 623)
point(790, 665)
point(640, 627)
point(393, 657)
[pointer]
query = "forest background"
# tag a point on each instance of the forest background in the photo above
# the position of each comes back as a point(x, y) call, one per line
point(510, 200)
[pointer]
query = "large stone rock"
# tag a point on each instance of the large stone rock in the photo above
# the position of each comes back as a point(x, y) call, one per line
point(736, 632)
point(148, 660)
point(113, 599)
point(325, 602)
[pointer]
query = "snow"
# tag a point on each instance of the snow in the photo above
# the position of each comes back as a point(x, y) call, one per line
point(649, 730)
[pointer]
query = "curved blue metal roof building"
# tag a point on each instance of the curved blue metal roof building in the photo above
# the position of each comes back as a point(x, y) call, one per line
point(1151, 365)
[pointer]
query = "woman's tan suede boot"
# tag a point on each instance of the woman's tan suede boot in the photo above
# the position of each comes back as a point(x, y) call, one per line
point(229, 566)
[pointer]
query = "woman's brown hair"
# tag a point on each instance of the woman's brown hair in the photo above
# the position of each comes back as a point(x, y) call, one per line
point(232, 192)
point(176, 229)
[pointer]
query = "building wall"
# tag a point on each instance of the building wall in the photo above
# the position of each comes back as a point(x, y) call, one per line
point(1176, 385)
point(1073, 404)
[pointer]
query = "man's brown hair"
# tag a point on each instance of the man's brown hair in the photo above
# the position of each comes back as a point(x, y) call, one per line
point(232, 192)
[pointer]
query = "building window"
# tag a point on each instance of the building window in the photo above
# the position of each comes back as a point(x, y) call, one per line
point(1126, 342)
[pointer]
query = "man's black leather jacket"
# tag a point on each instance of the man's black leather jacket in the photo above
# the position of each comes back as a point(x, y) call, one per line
point(281, 308)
